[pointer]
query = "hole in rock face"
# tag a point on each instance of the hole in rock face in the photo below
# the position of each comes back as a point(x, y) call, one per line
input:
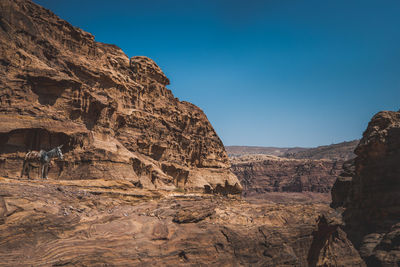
point(49, 90)
point(22, 140)
point(157, 151)
point(180, 175)
point(227, 189)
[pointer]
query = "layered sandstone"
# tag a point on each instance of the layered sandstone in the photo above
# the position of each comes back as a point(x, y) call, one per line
point(113, 223)
point(114, 115)
point(262, 174)
point(368, 193)
point(124, 136)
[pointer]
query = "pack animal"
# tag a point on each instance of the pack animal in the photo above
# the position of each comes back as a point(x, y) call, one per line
point(41, 160)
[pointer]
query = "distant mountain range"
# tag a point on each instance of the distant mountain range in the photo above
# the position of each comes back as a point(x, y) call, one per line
point(340, 151)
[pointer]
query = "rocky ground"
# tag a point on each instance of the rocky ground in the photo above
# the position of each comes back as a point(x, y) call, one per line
point(112, 223)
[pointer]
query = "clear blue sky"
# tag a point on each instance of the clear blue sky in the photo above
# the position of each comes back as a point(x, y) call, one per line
point(268, 73)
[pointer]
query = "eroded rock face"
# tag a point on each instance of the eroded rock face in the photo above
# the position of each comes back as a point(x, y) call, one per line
point(114, 115)
point(261, 174)
point(369, 194)
point(112, 222)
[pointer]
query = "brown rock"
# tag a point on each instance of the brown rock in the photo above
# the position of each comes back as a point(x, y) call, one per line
point(99, 222)
point(329, 242)
point(125, 135)
point(114, 115)
point(370, 199)
point(193, 213)
point(260, 174)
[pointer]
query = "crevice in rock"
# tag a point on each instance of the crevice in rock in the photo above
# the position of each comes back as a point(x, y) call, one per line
point(22, 140)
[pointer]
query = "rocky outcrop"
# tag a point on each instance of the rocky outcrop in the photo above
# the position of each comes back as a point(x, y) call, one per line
point(261, 174)
point(114, 115)
point(368, 194)
point(112, 222)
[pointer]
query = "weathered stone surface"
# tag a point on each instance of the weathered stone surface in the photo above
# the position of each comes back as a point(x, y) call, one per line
point(331, 247)
point(298, 174)
point(111, 222)
point(369, 194)
point(131, 149)
point(114, 115)
point(261, 174)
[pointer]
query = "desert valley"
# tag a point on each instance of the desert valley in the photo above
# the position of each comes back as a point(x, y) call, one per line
point(144, 179)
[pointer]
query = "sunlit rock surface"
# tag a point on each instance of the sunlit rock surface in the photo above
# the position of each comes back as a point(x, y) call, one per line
point(99, 222)
point(114, 115)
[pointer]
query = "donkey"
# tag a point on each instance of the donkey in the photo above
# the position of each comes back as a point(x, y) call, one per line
point(40, 159)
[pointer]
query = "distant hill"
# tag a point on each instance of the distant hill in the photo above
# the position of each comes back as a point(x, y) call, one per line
point(342, 151)
point(237, 151)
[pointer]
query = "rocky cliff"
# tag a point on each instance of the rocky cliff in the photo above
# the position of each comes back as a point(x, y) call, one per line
point(260, 174)
point(304, 171)
point(114, 115)
point(131, 148)
point(368, 192)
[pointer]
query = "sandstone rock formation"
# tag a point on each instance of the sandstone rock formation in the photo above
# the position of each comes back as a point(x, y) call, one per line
point(124, 136)
point(114, 115)
point(368, 193)
point(307, 172)
point(112, 223)
point(260, 174)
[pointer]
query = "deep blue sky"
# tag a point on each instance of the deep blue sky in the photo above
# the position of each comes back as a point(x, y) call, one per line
point(270, 73)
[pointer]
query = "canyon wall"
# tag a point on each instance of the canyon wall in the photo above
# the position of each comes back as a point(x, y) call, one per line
point(114, 115)
point(368, 192)
point(270, 172)
point(259, 174)
point(131, 148)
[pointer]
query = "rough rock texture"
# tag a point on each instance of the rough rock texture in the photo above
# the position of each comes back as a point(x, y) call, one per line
point(298, 174)
point(260, 174)
point(112, 223)
point(368, 193)
point(114, 115)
